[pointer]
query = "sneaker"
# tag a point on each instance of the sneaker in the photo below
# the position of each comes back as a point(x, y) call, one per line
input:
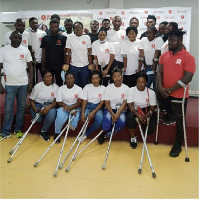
point(164, 117)
point(81, 139)
point(2, 137)
point(133, 142)
point(58, 140)
point(18, 134)
point(45, 136)
point(101, 139)
point(169, 121)
point(175, 151)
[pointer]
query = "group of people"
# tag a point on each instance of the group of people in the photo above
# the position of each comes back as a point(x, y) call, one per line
point(105, 75)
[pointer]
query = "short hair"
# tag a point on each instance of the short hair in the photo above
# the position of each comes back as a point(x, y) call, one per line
point(153, 28)
point(105, 20)
point(15, 32)
point(131, 28)
point(152, 17)
point(141, 74)
point(94, 21)
point(53, 22)
point(96, 72)
point(55, 16)
point(177, 33)
point(164, 22)
point(77, 22)
point(68, 73)
point(174, 25)
point(116, 69)
point(68, 20)
point(134, 18)
point(102, 29)
point(31, 19)
point(19, 20)
point(45, 72)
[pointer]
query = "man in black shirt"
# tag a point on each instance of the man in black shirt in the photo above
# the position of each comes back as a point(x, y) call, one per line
point(53, 51)
point(94, 25)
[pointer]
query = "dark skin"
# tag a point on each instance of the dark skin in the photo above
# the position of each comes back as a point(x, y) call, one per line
point(175, 45)
point(106, 25)
point(134, 23)
point(117, 22)
point(94, 26)
point(68, 26)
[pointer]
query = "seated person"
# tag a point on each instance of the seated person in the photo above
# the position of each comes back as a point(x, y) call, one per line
point(140, 97)
point(43, 100)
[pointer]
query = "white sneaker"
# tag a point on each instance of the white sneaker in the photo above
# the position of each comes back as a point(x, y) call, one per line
point(81, 139)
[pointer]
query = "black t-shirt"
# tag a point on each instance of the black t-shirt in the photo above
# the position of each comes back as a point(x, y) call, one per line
point(93, 37)
point(54, 46)
point(145, 34)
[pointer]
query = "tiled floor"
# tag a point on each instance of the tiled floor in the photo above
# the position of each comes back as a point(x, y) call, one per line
point(20, 179)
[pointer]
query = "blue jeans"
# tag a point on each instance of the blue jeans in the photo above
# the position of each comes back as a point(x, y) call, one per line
point(107, 122)
point(81, 74)
point(98, 117)
point(49, 118)
point(20, 92)
point(62, 117)
point(151, 78)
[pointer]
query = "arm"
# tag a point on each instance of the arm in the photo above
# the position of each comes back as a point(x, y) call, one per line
point(91, 115)
point(105, 72)
point(90, 56)
point(84, 104)
point(141, 59)
point(43, 59)
point(30, 71)
point(68, 56)
point(1, 87)
point(117, 114)
point(155, 60)
point(96, 62)
point(46, 109)
point(125, 62)
point(32, 103)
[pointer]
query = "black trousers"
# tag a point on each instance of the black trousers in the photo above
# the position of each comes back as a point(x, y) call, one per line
point(57, 73)
point(35, 72)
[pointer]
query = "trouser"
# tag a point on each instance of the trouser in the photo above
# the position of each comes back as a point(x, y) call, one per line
point(129, 80)
point(151, 78)
point(35, 74)
point(106, 80)
point(57, 73)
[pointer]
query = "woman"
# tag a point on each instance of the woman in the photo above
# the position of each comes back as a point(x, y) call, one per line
point(43, 101)
point(79, 55)
point(141, 104)
point(92, 103)
point(103, 52)
point(130, 52)
point(115, 102)
point(150, 47)
point(68, 99)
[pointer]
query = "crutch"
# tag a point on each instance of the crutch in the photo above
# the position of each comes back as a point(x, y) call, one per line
point(15, 148)
point(184, 129)
point(84, 130)
point(145, 146)
point(158, 115)
point(80, 132)
point(69, 121)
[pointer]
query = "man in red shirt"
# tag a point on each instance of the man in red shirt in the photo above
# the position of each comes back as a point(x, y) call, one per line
point(176, 69)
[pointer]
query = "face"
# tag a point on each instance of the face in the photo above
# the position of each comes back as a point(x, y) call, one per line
point(48, 78)
point(106, 25)
point(68, 26)
point(150, 34)
point(150, 22)
point(141, 83)
point(56, 19)
point(102, 35)
point(54, 28)
point(117, 77)
point(168, 28)
point(94, 26)
point(134, 23)
point(20, 26)
point(117, 22)
point(96, 80)
point(34, 24)
point(16, 40)
point(69, 79)
point(132, 35)
point(162, 29)
point(78, 30)
point(174, 43)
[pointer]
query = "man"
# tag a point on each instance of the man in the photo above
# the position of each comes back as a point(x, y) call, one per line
point(53, 51)
point(134, 22)
point(151, 21)
point(106, 24)
point(176, 70)
point(94, 26)
point(162, 27)
point(68, 24)
point(36, 38)
point(15, 58)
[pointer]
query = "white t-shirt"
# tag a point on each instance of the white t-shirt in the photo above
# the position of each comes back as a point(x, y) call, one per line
point(116, 38)
point(150, 47)
point(79, 49)
point(141, 98)
point(131, 49)
point(164, 47)
point(42, 93)
point(26, 39)
point(65, 34)
point(36, 38)
point(14, 63)
point(68, 96)
point(116, 95)
point(102, 51)
point(92, 94)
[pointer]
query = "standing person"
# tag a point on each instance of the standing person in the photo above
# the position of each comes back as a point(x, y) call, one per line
point(134, 22)
point(176, 69)
point(68, 24)
point(106, 24)
point(94, 26)
point(103, 52)
point(79, 55)
point(150, 47)
point(15, 58)
point(43, 100)
point(92, 103)
point(140, 98)
point(162, 27)
point(115, 96)
point(53, 52)
point(36, 38)
point(151, 21)
point(130, 52)
point(68, 99)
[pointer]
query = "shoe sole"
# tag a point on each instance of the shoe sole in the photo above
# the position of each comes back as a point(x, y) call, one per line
point(174, 156)
point(44, 139)
point(6, 137)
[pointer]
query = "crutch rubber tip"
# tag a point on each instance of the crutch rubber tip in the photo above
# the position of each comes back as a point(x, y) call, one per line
point(139, 171)
point(154, 175)
point(9, 160)
point(67, 169)
point(36, 164)
point(55, 174)
point(187, 159)
point(11, 151)
point(104, 167)
point(60, 167)
point(155, 142)
point(74, 158)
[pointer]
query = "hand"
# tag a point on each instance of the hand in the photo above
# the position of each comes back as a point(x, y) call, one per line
point(45, 110)
point(65, 67)
point(105, 72)
point(91, 115)
point(137, 70)
point(30, 87)
point(164, 92)
point(66, 108)
point(154, 72)
point(2, 90)
point(37, 110)
point(124, 69)
point(141, 119)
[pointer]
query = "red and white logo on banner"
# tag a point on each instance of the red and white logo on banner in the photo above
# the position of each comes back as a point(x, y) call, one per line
point(52, 94)
point(122, 12)
point(158, 17)
point(111, 18)
point(83, 42)
point(22, 56)
point(123, 96)
point(100, 13)
point(100, 95)
point(100, 24)
point(76, 95)
point(122, 23)
point(146, 11)
point(24, 41)
point(182, 16)
point(43, 17)
point(170, 11)
point(153, 45)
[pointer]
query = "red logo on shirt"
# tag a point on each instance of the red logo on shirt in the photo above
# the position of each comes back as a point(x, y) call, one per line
point(21, 56)
point(170, 11)
point(24, 41)
point(52, 94)
point(122, 37)
point(83, 42)
point(182, 16)
point(147, 100)
point(40, 39)
point(100, 13)
point(178, 61)
point(100, 95)
point(76, 95)
point(58, 42)
point(123, 96)
point(107, 50)
point(153, 45)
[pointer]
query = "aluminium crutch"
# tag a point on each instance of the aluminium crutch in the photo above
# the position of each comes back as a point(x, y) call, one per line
point(15, 148)
point(184, 128)
point(158, 115)
point(83, 134)
point(145, 146)
point(69, 121)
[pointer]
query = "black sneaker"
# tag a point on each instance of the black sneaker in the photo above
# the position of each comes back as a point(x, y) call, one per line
point(101, 139)
point(133, 142)
point(45, 136)
point(169, 121)
point(58, 140)
point(164, 117)
point(175, 151)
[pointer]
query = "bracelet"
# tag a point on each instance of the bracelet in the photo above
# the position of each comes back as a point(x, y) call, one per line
point(140, 58)
point(155, 59)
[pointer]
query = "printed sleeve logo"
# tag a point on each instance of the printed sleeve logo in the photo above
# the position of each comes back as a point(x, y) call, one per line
point(153, 46)
point(52, 94)
point(22, 56)
point(178, 61)
point(123, 96)
point(24, 41)
point(83, 42)
point(76, 95)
